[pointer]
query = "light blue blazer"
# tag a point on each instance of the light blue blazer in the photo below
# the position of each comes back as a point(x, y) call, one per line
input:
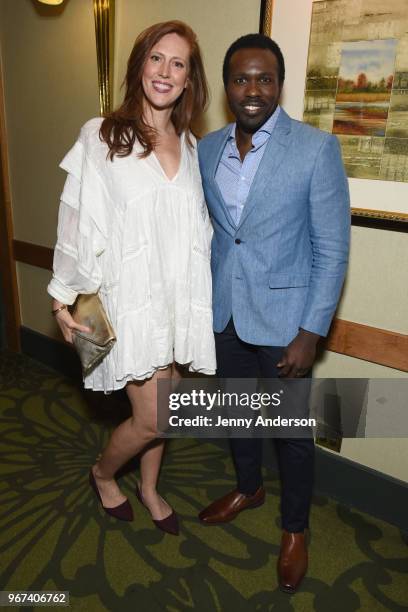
point(282, 267)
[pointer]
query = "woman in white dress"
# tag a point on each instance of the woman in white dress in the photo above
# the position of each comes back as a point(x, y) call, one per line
point(134, 227)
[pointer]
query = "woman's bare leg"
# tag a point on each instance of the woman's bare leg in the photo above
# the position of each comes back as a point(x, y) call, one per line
point(150, 462)
point(129, 438)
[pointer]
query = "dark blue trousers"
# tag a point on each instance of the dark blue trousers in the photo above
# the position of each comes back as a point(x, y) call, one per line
point(238, 359)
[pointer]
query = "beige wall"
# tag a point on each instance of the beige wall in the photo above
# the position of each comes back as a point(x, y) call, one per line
point(50, 78)
point(51, 89)
point(389, 456)
point(376, 289)
point(50, 82)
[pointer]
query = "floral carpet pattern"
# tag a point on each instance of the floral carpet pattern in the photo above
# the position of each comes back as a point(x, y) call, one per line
point(54, 536)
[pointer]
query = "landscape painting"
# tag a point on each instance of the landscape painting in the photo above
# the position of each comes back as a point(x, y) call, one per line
point(364, 87)
point(357, 83)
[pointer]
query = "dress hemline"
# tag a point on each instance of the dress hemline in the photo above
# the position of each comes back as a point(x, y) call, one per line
point(129, 378)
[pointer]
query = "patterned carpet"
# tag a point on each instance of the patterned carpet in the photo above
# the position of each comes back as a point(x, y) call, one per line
point(54, 535)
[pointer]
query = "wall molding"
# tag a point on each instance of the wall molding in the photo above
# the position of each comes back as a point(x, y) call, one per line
point(372, 344)
point(387, 348)
point(33, 254)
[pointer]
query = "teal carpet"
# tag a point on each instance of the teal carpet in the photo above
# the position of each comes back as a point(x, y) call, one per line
point(55, 536)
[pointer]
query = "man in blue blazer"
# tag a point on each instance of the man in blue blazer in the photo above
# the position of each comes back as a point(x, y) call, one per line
point(279, 204)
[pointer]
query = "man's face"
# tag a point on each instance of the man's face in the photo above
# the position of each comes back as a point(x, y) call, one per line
point(253, 87)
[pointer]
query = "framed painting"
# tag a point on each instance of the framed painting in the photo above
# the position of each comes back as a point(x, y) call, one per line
point(347, 73)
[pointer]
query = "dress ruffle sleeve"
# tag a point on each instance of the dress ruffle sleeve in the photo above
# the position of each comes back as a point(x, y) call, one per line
point(82, 228)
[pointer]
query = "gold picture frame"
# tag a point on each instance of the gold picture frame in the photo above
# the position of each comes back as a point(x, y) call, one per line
point(104, 14)
point(362, 215)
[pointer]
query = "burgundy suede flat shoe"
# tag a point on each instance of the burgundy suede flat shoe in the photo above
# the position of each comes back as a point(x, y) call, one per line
point(169, 524)
point(123, 512)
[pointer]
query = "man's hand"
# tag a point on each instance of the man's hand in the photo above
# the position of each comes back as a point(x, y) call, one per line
point(298, 357)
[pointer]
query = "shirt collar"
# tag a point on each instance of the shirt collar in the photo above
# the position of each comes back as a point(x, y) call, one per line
point(261, 135)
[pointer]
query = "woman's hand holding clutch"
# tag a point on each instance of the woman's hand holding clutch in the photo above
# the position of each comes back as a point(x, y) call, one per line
point(65, 321)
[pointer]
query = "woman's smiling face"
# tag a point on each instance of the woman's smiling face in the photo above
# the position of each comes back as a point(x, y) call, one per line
point(165, 72)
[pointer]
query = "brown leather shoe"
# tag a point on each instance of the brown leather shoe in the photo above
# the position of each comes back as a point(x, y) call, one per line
point(228, 507)
point(292, 562)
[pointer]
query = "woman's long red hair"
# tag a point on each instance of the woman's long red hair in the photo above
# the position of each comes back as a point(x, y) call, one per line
point(121, 127)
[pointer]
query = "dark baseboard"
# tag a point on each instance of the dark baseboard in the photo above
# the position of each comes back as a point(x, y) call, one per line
point(347, 482)
point(357, 486)
point(52, 353)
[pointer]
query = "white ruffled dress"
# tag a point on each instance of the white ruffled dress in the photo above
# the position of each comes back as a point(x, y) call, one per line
point(143, 241)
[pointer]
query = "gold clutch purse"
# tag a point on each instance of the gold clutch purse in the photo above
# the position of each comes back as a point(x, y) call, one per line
point(92, 347)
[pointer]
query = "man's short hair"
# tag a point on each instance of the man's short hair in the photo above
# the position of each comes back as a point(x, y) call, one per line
point(254, 41)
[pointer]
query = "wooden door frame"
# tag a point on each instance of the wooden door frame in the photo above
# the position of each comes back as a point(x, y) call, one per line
point(7, 262)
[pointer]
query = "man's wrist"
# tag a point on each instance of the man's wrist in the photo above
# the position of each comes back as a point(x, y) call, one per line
point(309, 336)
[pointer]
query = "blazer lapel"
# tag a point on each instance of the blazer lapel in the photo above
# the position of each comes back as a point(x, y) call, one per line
point(213, 170)
point(270, 162)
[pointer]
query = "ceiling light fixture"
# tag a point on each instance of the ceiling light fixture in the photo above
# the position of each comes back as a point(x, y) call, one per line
point(54, 2)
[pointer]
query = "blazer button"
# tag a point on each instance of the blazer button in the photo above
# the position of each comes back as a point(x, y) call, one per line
point(237, 241)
